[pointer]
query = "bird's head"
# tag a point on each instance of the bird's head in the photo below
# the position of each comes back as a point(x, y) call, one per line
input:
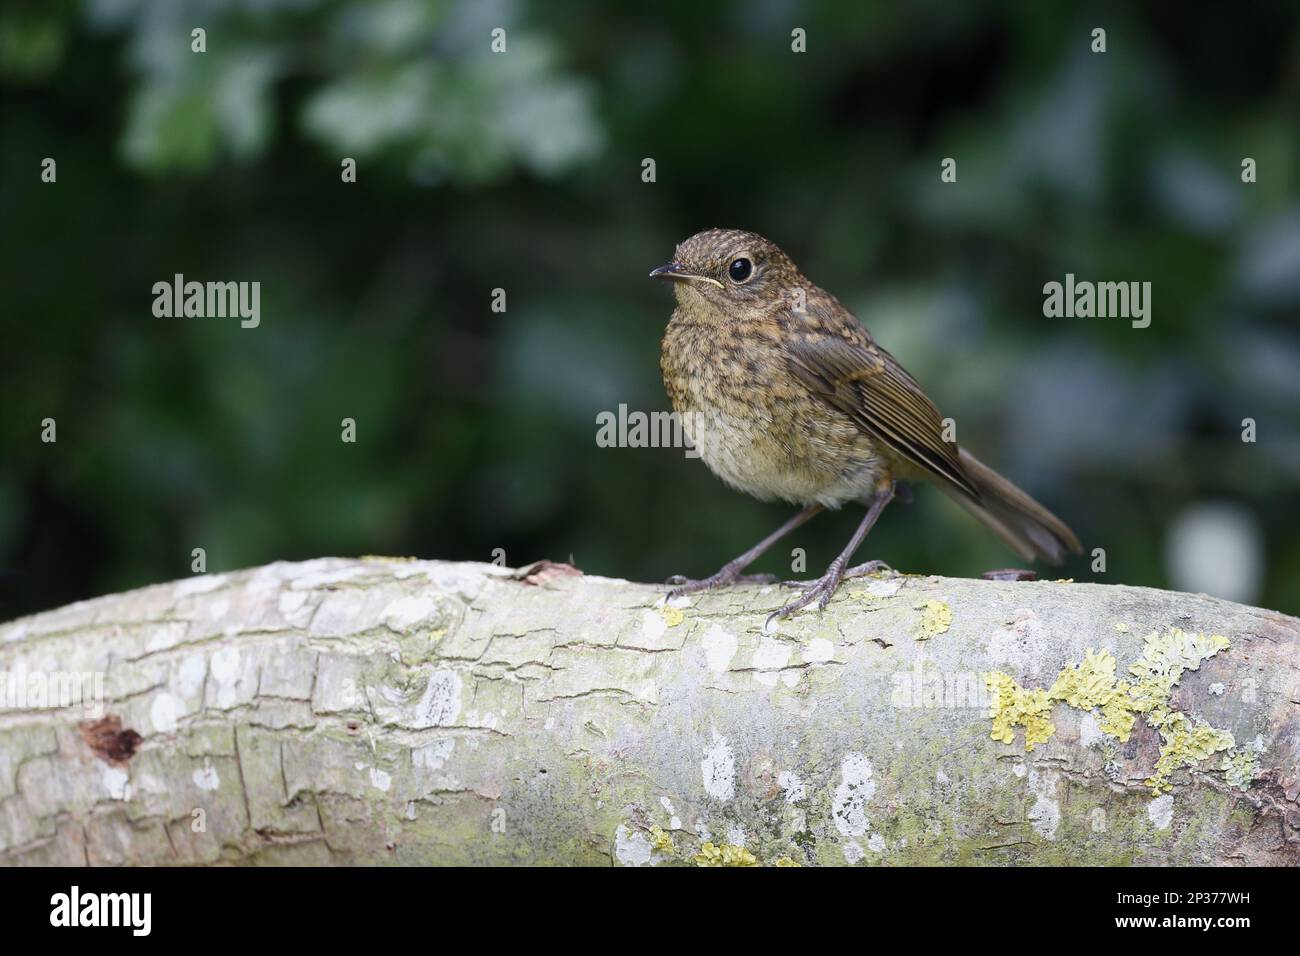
point(722, 267)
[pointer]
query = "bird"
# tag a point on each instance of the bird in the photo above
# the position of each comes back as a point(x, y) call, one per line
point(785, 395)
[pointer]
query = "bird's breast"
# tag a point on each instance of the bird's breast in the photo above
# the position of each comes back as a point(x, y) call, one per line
point(757, 427)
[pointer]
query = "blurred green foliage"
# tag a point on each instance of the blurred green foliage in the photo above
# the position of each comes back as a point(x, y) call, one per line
point(522, 170)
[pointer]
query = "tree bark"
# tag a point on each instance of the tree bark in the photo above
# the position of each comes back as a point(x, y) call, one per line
point(399, 711)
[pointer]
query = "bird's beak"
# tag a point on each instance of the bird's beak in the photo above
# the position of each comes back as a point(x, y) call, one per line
point(677, 272)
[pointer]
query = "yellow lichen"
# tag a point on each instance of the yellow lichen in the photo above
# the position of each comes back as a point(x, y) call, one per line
point(1014, 706)
point(1118, 714)
point(724, 855)
point(1089, 684)
point(1187, 741)
point(661, 840)
point(784, 861)
point(1239, 767)
point(1093, 685)
point(671, 615)
point(1164, 659)
point(936, 617)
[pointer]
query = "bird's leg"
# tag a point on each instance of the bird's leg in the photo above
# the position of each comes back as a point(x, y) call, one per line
point(729, 573)
point(824, 587)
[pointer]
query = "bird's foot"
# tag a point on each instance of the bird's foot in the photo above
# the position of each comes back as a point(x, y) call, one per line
point(727, 576)
point(824, 588)
point(821, 591)
point(857, 571)
point(867, 567)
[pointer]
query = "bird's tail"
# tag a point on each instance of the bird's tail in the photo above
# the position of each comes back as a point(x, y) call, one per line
point(1032, 531)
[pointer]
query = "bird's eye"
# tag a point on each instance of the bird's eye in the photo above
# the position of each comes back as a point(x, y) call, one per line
point(740, 269)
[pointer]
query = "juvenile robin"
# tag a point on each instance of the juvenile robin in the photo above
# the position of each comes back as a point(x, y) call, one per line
point(785, 395)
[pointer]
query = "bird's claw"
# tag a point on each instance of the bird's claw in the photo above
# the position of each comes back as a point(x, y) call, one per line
point(821, 590)
point(824, 588)
point(682, 585)
point(867, 567)
point(857, 571)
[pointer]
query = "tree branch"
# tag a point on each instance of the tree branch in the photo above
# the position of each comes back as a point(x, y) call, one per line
point(381, 710)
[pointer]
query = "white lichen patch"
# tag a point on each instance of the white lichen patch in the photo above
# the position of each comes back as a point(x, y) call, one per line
point(819, 651)
point(674, 821)
point(190, 676)
point(1160, 811)
point(849, 802)
point(1090, 732)
point(117, 782)
point(206, 777)
point(853, 852)
point(769, 658)
point(380, 779)
point(440, 704)
point(884, 589)
point(632, 847)
point(718, 768)
point(876, 843)
point(225, 671)
point(655, 630)
point(653, 626)
point(164, 712)
point(719, 648)
point(791, 786)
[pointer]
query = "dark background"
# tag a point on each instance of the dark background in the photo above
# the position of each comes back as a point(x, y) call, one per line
point(522, 170)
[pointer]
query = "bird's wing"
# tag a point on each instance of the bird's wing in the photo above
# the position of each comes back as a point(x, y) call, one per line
point(847, 370)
